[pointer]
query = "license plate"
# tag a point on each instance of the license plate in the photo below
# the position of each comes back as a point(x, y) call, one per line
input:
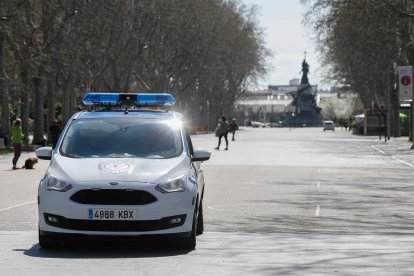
point(112, 214)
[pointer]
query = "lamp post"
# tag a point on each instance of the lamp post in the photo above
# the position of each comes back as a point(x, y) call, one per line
point(292, 115)
point(383, 113)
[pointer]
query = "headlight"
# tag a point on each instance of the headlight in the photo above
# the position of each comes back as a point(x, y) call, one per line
point(54, 184)
point(172, 185)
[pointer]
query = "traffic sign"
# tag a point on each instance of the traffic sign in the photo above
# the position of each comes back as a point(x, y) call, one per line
point(406, 84)
point(405, 80)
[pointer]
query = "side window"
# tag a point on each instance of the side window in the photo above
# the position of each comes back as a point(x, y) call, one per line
point(189, 143)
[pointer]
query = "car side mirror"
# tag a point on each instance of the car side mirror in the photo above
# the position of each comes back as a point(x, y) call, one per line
point(200, 155)
point(44, 153)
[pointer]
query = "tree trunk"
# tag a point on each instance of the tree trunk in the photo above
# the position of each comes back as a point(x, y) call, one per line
point(72, 99)
point(395, 119)
point(411, 128)
point(51, 102)
point(5, 131)
point(25, 104)
point(38, 127)
point(66, 102)
point(2, 46)
point(5, 116)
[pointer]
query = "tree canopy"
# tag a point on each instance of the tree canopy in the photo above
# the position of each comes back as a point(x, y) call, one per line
point(362, 43)
point(205, 52)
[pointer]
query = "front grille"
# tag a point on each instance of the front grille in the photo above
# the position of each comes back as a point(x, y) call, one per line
point(113, 197)
point(113, 225)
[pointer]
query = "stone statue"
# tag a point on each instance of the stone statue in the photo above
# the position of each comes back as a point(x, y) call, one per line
point(305, 70)
point(307, 112)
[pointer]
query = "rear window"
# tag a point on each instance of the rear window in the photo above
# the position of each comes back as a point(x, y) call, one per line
point(121, 138)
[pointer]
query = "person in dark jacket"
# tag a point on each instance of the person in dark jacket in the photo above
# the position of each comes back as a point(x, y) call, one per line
point(233, 127)
point(224, 130)
point(55, 132)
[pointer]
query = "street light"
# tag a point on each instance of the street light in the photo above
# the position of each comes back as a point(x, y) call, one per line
point(290, 120)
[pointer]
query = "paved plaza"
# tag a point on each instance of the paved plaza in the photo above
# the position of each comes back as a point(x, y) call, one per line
point(279, 202)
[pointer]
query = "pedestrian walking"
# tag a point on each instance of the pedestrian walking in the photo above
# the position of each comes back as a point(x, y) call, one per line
point(55, 132)
point(233, 127)
point(224, 130)
point(17, 139)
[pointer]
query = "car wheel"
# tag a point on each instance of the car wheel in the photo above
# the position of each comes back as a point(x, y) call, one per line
point(189, 243)
point(200, 222)
point(47, 241)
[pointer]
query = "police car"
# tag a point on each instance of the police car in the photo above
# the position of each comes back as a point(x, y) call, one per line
point(126, 167)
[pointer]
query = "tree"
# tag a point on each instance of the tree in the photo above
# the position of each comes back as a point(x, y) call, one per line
point(340, 108)
point(360, 43)
point(58, 50)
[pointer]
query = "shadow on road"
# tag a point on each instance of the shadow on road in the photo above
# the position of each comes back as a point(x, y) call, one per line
point(102, 248)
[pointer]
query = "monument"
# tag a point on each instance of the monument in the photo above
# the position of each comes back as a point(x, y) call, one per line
point(303, 110)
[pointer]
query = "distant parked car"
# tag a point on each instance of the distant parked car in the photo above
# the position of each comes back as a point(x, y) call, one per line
point(328, 125)
point(258, 124)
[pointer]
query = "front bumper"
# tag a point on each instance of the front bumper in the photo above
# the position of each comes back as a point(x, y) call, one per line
point(170, 214)
point(114, 225)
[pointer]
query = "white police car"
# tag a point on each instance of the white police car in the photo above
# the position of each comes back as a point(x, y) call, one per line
point(123, 172)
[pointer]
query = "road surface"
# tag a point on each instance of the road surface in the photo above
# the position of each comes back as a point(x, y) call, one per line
point(300, 202)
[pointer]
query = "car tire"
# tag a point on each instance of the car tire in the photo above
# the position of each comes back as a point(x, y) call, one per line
point(47, 241)
point(189, 243)
point(200, 222)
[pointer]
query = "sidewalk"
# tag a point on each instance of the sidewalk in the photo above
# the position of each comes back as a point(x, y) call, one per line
point(398, 148)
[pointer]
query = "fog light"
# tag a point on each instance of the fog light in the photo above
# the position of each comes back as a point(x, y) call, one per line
point(52, 219)
point(175, 220)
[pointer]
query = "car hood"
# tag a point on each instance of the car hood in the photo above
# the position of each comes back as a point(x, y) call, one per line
point(117, 169)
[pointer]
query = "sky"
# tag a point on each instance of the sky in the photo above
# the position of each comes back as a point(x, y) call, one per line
point(288, 39)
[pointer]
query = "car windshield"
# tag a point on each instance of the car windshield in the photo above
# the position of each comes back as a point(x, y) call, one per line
point(121, 138)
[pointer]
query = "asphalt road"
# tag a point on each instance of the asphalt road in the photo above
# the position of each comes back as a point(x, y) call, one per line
point(300, 202)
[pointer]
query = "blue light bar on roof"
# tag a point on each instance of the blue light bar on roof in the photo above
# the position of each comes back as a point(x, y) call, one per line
point(137, 99)
point(155, 99)
point(101, 99)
